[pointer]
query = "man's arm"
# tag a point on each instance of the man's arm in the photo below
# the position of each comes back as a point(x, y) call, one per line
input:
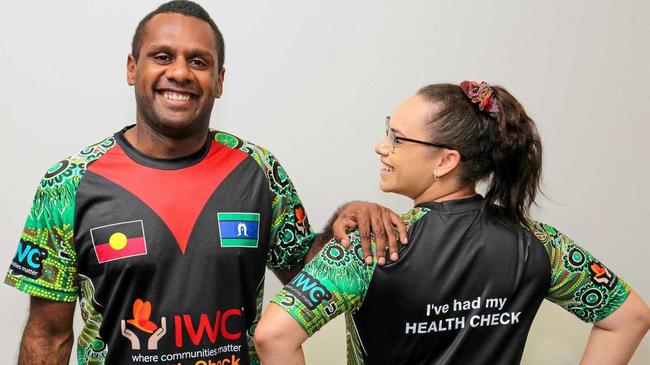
point(369, 218)
point(317, 244)
point(47, 338)
point(614, 339)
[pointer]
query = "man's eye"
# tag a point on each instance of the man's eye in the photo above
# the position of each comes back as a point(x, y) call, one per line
point(162, 58)
point(198, 63)
point(396, 141)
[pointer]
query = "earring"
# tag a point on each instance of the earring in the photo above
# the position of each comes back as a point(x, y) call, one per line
point(435, 176)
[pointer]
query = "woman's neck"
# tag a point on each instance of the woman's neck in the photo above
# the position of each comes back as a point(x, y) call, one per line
point(442, 195)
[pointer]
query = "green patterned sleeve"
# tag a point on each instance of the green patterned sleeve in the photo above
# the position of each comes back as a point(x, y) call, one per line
point(291, 234)
point(45, 261)
point(334, 282)
point(579, 283)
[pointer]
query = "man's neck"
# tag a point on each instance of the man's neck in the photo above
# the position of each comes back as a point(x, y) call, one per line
point(154, 144)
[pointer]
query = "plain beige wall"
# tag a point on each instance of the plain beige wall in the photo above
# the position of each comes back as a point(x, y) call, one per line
point(312, 81)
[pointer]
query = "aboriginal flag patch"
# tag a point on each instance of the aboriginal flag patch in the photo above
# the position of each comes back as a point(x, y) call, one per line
point(119, 241)
point(239, 229)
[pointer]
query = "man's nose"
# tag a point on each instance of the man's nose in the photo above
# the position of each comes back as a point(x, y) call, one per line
point(178, 71)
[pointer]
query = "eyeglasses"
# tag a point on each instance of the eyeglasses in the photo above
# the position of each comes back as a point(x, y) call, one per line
point(393, 139)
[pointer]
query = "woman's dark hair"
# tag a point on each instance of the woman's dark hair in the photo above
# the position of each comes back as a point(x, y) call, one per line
point(503, 147)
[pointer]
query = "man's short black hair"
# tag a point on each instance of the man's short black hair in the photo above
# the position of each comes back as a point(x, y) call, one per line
point(184, 7)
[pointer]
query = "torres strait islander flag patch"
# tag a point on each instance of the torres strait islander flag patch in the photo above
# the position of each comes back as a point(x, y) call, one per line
point(119, 241)
point(239, 229)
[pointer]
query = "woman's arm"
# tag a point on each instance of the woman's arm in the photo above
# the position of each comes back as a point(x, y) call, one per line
point(333, 283)
point(614, 339)
point(279, 338)
point(585, 287)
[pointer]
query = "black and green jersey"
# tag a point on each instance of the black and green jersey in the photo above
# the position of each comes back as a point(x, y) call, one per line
point(464, 291)
point(166, 257)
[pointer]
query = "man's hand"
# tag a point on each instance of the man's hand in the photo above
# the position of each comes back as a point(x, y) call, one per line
point(371, 218)
point(368, 218)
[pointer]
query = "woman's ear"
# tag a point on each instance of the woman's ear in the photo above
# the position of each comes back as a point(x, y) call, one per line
point(448, 162)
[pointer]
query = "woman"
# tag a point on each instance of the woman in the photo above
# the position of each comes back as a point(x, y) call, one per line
point(467, 287)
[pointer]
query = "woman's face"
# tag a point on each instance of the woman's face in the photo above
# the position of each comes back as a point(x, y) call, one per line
point(408, 168)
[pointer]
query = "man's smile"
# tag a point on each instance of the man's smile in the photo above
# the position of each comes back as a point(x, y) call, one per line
point(171, 95)
point(176, 97)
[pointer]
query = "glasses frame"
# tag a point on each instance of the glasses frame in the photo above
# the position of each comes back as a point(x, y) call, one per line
point(389, 133)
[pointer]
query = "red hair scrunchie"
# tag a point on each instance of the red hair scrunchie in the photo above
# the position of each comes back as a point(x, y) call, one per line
point(481, 94)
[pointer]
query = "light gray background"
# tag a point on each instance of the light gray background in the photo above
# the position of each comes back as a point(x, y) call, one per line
point(312, 81)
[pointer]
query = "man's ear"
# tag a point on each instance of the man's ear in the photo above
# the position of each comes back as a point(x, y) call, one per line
point(130, 69)
point(219, 84)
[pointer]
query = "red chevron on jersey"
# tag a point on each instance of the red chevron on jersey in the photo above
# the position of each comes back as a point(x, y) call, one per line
point(162, 190)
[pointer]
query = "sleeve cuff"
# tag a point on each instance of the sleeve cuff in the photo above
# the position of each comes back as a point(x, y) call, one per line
point(36, 290)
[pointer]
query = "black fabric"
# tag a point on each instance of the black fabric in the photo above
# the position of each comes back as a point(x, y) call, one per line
point(201, 284)
point(455, 254)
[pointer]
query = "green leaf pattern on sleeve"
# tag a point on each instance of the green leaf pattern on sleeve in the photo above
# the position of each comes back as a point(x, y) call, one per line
point(45, 264)
point(290, 230)
point(579, 283)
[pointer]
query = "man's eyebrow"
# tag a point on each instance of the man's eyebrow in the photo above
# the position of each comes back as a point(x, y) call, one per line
point(155, 48)
point(197, 52)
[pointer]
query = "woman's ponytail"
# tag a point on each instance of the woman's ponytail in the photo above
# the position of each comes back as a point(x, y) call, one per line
point(516, 159)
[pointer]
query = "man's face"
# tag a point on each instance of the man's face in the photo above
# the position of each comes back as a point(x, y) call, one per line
point(176, 77)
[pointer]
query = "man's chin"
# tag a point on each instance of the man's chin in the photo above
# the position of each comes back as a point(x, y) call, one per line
point(174, 127)
point(175, 124)
point(175, 121)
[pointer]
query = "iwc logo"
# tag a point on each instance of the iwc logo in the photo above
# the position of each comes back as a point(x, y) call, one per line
point(28, 260)
point(308, 290)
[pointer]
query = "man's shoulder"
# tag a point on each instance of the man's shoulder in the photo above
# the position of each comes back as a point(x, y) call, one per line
point(71, 169)
point(277, 177)
point(264, 158)
point(256, 151)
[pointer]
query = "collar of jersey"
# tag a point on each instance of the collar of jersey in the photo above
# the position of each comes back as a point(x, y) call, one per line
point(455, 206)
point(161, 163)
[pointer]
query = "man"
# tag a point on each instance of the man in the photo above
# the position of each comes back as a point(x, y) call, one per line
point(163, 230)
